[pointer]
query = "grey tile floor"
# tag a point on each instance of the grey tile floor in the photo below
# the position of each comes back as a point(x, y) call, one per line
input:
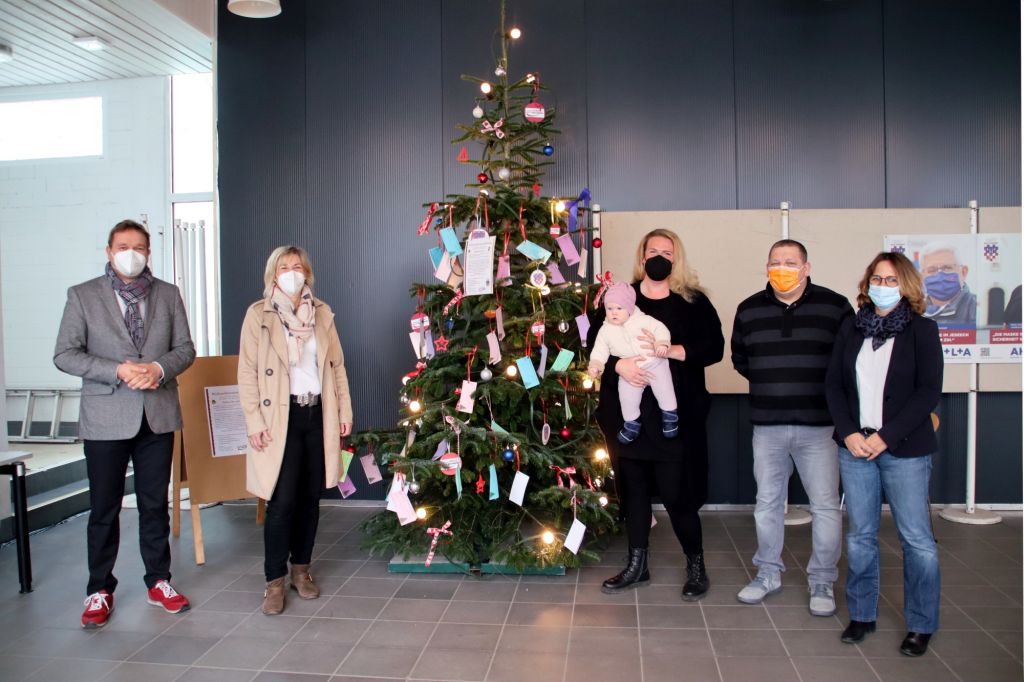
point(372, 625)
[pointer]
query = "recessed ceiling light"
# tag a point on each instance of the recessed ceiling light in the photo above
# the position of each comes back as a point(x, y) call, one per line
point(91, 43)
point(6, 53)
point(255, 9)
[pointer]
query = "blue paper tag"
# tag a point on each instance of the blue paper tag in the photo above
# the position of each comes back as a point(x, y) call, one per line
point(451, 242)
point(562, 361)
point(493, 494)
point(527, 372)
point(496, 427)
point(436, 254)
point(533, 251)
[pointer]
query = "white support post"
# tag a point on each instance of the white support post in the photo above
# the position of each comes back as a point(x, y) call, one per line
point(970, 514)
point(201, 289)
point(597, 261)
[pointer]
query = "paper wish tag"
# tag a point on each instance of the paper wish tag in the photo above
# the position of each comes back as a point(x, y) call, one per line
point(466, 399)
point(492, 493)
point(583, 324)
point(436, 255)
point(450, 241)
point(562, 360)
point(371, 469)
point(654, 521)
point(568, 248)
point(533, 251)
point(575, 536)
point(346, 461)
point(554, 274)
point(518, 490)
point(398, 501)
point(504, 270)
point(497, 428)
point(499, 320)
point(442, 448)
point(346, 488)
point(527, 372)
point(422, 344)
point(444, 269)
point(582, 271)
point(493, 349)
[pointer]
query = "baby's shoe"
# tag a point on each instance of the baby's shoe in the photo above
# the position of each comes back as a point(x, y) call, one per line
point(630, 430)
point(669, 423)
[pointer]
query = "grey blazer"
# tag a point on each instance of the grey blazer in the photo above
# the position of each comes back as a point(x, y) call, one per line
point(93, 340)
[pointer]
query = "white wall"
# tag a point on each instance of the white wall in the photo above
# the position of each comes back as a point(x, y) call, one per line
point(55, 215)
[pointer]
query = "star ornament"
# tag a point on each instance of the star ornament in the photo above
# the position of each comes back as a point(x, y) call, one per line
point(441, 344)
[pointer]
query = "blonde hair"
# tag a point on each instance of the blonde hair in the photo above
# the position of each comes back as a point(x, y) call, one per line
point(270, 273)
point(683, 279)
point(909, 277)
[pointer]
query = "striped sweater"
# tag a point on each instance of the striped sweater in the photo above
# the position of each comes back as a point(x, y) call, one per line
point(784, 350)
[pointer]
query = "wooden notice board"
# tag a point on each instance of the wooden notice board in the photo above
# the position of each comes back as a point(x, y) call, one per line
point(209, 479)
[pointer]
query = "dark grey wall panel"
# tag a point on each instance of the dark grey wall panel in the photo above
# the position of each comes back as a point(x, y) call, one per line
point(999, 448)
point(660, 105)
point(373, 157)
point(552, 45)
point(952, 71)
point(809, 119)
point(261, 99)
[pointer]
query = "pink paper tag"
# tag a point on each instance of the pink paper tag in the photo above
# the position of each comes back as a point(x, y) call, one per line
point(493, 349)
point(371, 469)
point(504, 272)
point(346, 487)
point(583, 324)
point(554, 274)
point(569, 252)
point(466, 399)
point(499, 319)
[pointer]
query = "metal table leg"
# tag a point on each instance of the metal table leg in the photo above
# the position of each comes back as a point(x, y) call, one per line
point(19, 500)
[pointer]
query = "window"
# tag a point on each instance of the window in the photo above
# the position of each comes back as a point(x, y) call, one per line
point(192, 133)
point(51, 128)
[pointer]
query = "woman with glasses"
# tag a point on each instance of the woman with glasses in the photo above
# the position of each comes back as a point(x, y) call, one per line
point(883, 382)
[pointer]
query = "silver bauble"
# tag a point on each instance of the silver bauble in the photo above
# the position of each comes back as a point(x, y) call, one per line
point(486, 374)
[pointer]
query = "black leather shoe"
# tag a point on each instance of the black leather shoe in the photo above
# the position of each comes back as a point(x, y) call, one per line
point(857, 630)
point(697, 582)
point(634, 574)
point(915, 644)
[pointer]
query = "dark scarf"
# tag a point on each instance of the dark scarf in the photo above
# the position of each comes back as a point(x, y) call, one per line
point(132, 293)
point(877, 328)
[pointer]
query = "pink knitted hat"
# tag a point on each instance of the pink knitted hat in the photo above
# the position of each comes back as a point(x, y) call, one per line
point(621, 294)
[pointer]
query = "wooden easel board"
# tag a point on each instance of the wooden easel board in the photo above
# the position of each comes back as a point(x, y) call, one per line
point(209, 479)
point(729, 250)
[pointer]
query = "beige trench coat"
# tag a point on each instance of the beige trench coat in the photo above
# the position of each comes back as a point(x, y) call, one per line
point(263, 386)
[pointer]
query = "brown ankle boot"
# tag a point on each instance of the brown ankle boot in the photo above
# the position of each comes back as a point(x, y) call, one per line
point(302, 582)
point(273, 597)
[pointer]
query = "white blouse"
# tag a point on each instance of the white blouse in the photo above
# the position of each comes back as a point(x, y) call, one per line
point(304, 376)
point(872, 368)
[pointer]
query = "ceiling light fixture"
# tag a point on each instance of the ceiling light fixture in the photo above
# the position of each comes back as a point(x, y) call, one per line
point(6, 53)
point(91, 43)
point(255, 9)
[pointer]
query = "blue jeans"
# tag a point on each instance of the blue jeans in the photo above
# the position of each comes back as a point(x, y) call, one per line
point(811, 448)
point(905, 483)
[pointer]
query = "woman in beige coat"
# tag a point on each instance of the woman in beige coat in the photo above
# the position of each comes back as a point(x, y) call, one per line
point(294, 393)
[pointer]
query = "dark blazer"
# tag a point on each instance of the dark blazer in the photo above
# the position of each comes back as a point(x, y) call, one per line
point(913, 386)
point(93, 340)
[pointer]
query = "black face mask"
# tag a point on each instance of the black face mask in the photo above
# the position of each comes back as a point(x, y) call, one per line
point(658, 268)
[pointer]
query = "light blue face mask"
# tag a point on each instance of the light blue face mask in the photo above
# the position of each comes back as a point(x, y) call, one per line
point(884, 297)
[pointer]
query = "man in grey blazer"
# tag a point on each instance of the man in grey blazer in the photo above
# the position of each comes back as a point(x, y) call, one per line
point(126, 335)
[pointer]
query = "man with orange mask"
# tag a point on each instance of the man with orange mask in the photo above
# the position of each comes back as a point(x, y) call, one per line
point(781, 342)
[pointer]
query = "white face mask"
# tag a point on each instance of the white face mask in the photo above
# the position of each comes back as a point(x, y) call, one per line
point(291, 282)
point(130, 263)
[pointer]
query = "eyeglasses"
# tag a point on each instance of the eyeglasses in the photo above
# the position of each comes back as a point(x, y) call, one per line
point(944, 269)
point(889, 281)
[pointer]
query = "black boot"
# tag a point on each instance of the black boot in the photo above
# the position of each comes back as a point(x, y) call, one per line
point(697, 582)
point(634, 574)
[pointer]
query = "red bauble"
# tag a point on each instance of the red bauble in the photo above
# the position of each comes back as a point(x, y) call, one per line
point(458, 391)
point(597, 242)
point(482, 178)
point(565, 432)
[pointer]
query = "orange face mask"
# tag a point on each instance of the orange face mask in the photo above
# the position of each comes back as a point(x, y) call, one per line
point(784, 279)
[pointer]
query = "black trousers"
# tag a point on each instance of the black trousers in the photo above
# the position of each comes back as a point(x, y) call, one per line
point(293, 511)
point(638, 481)
point(106, 462)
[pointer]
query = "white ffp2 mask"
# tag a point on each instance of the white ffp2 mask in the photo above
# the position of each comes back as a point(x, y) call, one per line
point(130, 263)
point(291, 282)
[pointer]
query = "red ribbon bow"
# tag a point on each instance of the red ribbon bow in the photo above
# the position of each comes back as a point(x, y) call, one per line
point(436, 533)
point(495, 128)
point(456, 300)
point(606, 282)
point(425, 225)
point(567, 471)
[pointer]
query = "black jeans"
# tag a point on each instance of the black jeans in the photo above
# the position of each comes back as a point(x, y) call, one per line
point(293, 511)
point(106, 462)
point(640, 480)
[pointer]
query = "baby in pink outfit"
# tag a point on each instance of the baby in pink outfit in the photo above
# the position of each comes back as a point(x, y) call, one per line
point(620, 336)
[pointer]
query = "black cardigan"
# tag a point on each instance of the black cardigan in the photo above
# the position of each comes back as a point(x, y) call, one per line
point(913, 386)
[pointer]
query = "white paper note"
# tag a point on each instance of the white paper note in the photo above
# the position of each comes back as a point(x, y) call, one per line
point(466, 399)
point(518, 488)
point(575, 536)
point(493, 349)
point(228, 432)
point(479, 265)
point(582, 270)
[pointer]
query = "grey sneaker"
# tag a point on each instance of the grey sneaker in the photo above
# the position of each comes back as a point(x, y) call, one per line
point(822, 601)
point(760, 587)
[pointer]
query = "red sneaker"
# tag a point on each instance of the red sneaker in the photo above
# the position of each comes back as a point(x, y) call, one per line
point(162, 594)
point(98, 607)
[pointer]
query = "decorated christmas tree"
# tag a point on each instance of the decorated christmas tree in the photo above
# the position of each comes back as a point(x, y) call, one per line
point(497, 459)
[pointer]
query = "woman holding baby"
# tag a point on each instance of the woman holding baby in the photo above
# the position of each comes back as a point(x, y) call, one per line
point(663, 453)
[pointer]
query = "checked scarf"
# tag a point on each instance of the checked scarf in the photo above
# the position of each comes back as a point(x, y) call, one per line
point(132, 293)
point(877, 328)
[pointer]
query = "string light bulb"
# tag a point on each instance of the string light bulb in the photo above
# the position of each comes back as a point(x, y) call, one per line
point(515, 34)
point(511, 370)
point(415, 406)
point(588, 384)
point(486, 88)
point(603, 501)
point(548, 537)
point(530, 78)
point(421, 512)
point(560, 206)
point(600, 454)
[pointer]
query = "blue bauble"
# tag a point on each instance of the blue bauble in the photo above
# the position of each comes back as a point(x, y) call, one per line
point(508, 455)
point(450, 323)
point(548, 150)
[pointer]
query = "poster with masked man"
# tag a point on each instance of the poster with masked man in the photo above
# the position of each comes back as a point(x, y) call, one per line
point(972, 287)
